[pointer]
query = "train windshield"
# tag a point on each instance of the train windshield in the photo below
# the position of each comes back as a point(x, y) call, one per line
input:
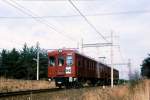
point(60, 61)
point(52, 61)
point(69, 60)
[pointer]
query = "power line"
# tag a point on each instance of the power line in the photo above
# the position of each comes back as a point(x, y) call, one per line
point(20, 8)
point(121, 13)
point(47, 24)
point(87, 15)
point(57, 0)
point(84, 17)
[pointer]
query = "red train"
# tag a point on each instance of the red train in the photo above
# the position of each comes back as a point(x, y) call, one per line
point(70, 68)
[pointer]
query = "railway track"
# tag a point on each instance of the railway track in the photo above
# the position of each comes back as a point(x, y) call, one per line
point(27, 92)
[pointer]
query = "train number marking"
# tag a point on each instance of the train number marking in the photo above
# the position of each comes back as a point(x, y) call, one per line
point(68, 70)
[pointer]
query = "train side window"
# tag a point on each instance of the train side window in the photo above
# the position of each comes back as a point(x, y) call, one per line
point(79, 63)
point(93, 65)
point(60, 61)
point(52, 61)
point(85, 63)
point(90, 65)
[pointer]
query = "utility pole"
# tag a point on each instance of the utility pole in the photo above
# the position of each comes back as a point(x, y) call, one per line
point(37, 60)
point(112, 78)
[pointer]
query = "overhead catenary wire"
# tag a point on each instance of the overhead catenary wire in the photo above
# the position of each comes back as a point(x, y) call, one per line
point(55, 0)
point(41, 20)
point(85, 18)
point(87, 15)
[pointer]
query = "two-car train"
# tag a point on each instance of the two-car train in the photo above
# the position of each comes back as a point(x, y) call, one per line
point(70, 68)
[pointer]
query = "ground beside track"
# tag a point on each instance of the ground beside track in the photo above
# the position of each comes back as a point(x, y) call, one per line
point(140, 91)
point(10, 85)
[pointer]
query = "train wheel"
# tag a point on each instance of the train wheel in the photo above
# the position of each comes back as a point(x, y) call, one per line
point(67, 85)
point(77, 85)
point(60, 86)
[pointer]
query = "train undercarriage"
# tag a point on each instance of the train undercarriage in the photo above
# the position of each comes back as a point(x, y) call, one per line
point(70, 82)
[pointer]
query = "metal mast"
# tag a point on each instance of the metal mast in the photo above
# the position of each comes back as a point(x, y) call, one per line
point(37, 60)
point(112, 78)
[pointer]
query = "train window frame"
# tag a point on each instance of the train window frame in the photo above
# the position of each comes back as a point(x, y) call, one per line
point(69, 60)
point(61, 61)
point(79, 63)
point(85, 63)
point(90, 64)
point(52, 61)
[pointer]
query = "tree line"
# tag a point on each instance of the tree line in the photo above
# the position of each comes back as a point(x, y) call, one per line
point(145, 70)
point(20, 64)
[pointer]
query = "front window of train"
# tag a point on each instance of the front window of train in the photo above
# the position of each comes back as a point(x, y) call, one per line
point(60, 61)
point(69, 61)
point(52, 61)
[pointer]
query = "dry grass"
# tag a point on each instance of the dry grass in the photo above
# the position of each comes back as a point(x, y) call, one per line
point(7, 85)
point(117, 93)
point(140, 91)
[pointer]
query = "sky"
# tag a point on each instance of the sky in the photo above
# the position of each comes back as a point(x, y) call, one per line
point(59, 25)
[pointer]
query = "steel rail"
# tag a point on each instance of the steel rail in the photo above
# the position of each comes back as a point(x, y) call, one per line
point(7, 94)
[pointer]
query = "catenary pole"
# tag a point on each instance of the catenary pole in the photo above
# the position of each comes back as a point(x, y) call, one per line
point(112, 78)
point(82, 46)
point(37, 60)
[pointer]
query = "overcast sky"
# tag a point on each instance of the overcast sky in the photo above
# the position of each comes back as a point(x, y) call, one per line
point(60, 25)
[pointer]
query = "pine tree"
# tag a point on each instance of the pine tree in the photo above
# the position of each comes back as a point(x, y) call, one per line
point(4, 63)
point(145, 70)
point(20, 64)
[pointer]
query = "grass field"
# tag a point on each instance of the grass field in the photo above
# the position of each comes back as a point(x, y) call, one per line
point(7, 85)
point(138, 91)
point(135, 91)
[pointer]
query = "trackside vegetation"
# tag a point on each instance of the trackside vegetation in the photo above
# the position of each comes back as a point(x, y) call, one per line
point(20, 64)
point(145, 70)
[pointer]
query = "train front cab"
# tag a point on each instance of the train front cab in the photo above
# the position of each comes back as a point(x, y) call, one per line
point(62, 68)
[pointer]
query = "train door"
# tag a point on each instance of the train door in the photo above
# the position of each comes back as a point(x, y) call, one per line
point(69, 63)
